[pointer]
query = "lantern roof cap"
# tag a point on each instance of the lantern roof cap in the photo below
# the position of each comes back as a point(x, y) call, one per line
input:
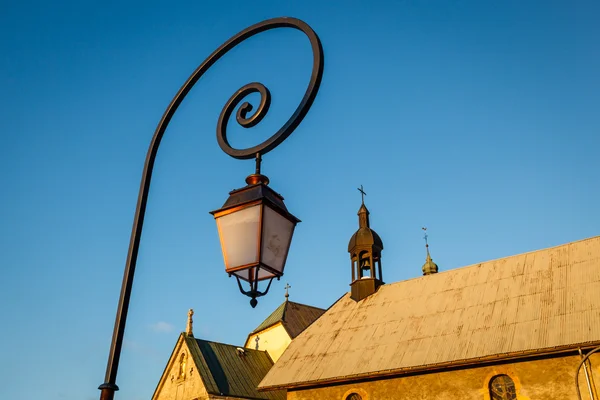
point(254, 192)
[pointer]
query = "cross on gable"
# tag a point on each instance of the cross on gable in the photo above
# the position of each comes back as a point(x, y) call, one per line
point(287, 286)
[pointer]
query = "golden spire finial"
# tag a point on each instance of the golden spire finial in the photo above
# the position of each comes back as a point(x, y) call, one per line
point(429, 267)
point(189, 329)
point(287, 286)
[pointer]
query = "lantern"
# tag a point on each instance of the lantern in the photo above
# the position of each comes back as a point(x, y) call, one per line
point(255, 229)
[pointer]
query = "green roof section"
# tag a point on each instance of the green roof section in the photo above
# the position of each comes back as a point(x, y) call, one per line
point(295, 318)
point(272, 319)
point(227, 371)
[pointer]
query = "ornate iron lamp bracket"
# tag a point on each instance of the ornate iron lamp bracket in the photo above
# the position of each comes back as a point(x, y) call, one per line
point(109, 386)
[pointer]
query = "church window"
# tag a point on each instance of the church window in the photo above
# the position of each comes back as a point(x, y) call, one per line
point(502, 388)
point(354, 396)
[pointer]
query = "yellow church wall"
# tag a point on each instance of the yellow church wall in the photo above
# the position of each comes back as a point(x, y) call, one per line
point(274, 340)
point(181, 381)
point(545, 379)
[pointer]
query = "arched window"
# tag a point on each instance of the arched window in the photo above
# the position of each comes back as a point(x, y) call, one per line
point(353, 396)
point(502, 388)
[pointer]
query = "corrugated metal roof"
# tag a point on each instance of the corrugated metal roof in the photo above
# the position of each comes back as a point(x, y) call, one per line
point(227, 372)
point(295, 317)
point(525, 303)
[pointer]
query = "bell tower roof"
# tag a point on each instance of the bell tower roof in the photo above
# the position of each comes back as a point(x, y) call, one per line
point(364, 236)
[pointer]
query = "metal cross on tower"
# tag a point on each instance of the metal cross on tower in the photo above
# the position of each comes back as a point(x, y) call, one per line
point(362, 192)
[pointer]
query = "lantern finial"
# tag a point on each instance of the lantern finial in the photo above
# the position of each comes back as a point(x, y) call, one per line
point(257, 177)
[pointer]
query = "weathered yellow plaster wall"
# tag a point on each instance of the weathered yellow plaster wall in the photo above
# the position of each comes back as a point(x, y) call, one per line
point(274, 340)
point(549, 379)
point(174, 387)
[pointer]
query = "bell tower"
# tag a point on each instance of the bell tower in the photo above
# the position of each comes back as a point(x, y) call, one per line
point(365, 254)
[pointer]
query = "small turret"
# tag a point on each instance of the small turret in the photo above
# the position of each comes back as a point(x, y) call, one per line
point(429, 267)
point(365, 248)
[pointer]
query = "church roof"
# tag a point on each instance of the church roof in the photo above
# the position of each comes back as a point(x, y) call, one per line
point(535, 303)
point(226, 371)
point(295, 318)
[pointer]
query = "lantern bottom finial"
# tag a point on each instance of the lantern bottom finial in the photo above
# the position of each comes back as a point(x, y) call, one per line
point(253, 292)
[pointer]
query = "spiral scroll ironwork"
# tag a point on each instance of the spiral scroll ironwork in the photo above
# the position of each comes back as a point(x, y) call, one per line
point(109, 386)
point(297, 116)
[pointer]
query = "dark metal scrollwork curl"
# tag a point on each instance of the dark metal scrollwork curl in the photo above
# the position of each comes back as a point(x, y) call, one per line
point(109, 386)
point(297, 116)
point(263, 108)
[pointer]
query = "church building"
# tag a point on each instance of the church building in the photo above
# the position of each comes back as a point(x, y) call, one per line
point(203, 370)
point(524, 327)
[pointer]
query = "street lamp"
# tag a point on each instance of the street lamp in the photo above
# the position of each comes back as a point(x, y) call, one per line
point(254, 225)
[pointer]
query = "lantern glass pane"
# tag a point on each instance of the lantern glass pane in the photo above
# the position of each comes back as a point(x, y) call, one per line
point(248, 274)
point(264, 274)
point(276, 238)
point(239, 236)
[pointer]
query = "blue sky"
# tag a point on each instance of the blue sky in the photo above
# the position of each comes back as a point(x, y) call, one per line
point(477, 119)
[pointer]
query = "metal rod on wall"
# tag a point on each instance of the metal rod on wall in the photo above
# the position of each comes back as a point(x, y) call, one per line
point(587, 376)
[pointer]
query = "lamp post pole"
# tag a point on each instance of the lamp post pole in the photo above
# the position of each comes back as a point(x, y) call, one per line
point(109, 386)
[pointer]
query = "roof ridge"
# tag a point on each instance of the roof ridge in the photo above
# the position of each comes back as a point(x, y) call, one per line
point(229, 345)
point(286, 303)
point(199, 360)
point(492, 260)
point(306, 305)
